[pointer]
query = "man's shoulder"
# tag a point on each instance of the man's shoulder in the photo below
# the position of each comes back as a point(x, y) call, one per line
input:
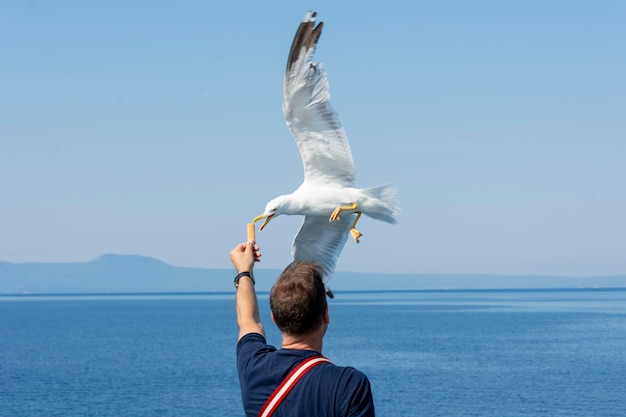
point(346, 375)
point(256, 339)
point(251, 338)
point(252, 345)
point(344, 389)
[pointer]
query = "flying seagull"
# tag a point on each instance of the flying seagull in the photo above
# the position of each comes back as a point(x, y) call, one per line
point(328, 197)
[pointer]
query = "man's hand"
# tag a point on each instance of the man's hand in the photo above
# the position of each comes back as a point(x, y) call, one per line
point(244, 255)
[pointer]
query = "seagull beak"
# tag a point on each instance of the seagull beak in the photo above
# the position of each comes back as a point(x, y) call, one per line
point(262, 216)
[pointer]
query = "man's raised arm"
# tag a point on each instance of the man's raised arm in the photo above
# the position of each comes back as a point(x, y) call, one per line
point(243, 257)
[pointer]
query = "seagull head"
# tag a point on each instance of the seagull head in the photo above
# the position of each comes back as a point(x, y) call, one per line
point(274, 208)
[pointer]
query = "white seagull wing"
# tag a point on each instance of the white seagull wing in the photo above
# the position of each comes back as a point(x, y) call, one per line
point(321, 241)
point(323, 143)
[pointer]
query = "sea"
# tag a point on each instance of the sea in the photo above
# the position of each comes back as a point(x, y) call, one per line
point(500, 353)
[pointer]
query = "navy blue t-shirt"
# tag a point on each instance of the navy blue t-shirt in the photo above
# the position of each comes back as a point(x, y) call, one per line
point(326, 390)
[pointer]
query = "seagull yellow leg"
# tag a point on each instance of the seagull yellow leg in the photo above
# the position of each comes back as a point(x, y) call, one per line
point(355, 233)
point(335, 216)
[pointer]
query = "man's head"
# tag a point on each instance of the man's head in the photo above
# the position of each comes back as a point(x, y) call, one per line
point(298, 299)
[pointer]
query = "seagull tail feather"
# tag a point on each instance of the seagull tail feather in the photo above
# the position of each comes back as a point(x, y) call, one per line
point(385, 203)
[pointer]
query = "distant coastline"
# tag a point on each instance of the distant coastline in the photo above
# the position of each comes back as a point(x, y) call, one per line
point(339, 293)
point(137, 275)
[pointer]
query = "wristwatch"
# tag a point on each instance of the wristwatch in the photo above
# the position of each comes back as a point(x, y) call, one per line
point(243, 274)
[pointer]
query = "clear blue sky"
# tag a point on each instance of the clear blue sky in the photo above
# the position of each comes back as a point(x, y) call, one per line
point(155, 128)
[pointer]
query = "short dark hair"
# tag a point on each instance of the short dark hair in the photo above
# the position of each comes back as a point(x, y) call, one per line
point(298, 298)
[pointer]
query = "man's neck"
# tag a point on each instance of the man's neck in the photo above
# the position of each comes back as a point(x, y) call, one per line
point(308, 342)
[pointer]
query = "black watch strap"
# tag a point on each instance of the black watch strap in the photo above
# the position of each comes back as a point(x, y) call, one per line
point(243, 274)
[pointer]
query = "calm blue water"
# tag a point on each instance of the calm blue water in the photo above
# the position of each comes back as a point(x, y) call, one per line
point(482, 353)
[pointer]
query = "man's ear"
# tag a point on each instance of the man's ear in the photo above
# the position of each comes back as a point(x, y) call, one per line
point(326, 317)
point(272, 316)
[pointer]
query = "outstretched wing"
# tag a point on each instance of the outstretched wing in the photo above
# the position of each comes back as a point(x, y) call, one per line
point(321, 241)
point(323, 143)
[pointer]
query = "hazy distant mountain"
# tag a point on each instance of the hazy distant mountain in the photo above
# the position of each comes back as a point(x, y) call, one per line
point(108, 273)
point(132, 273)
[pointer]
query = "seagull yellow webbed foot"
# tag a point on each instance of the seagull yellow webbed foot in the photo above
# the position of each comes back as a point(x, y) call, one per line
point(335, 216)
point(356, 235)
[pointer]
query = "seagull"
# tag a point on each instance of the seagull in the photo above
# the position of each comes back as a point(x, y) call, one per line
point(328, 198)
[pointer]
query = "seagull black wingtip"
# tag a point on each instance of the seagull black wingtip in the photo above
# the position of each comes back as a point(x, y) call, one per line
point(306, 37)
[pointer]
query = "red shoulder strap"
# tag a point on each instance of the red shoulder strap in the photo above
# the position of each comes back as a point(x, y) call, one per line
point(288, 383)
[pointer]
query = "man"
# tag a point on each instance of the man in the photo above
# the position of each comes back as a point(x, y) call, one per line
point(299, 309)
